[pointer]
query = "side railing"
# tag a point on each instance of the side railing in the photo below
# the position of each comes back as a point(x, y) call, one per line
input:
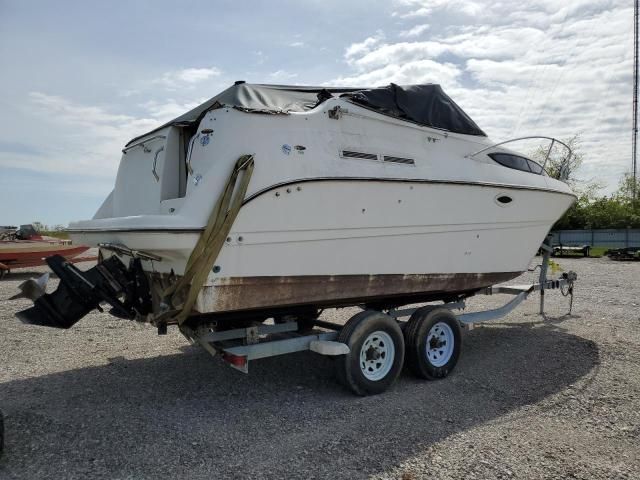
point(552, 141)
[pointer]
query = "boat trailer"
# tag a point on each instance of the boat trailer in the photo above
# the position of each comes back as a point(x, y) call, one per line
point(239, 346)
point(371, 346)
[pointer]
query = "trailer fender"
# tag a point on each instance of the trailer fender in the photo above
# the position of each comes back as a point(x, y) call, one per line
point(326, 347)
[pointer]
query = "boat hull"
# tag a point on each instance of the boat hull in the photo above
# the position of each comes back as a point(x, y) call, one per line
point(21, 254)
point(335, 242)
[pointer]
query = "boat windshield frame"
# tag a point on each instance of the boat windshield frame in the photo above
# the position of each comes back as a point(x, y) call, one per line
point(552, 140)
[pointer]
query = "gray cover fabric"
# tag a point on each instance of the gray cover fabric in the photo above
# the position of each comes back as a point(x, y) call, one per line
point(422, 104)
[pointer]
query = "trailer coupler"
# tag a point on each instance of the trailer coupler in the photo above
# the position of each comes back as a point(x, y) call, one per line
point(79, 292)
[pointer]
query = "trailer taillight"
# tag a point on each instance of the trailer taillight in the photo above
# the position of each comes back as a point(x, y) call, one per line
point(235, 360)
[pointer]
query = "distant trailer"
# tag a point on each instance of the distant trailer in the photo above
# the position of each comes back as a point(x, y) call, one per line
point(561, 250)
point(629, 253)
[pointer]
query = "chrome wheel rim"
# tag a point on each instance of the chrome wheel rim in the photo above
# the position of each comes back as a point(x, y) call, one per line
point(440, 344)
point(376, 355)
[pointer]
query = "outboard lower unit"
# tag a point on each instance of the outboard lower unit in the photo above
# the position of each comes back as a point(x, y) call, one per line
point(110, 281)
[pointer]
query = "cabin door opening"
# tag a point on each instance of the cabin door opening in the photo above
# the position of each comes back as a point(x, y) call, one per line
point(173, 181)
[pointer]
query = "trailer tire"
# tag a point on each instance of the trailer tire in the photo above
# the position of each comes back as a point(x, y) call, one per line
point(428, 329)
point(376, 353)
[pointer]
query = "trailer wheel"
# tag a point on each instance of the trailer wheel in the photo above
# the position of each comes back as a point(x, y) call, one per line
point(376, 356)
point(434, 341)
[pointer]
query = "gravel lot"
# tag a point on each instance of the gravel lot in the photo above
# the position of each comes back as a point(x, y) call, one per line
point(529, 399)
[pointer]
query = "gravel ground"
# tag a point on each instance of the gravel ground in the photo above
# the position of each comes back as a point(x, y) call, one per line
point(530, 398)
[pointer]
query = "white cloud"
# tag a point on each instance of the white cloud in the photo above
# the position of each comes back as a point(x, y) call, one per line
point(425, 8)
point(363, 47)
point(414, 31)
point(416, 71)
point(164, 111)
point(72, 113)
point(282, 75)
point(187, 77)
point(520, 68)
point(87, 139)
point(261, 58)
point(296, 44)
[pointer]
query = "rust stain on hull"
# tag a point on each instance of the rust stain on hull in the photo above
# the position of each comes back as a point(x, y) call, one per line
point(250, 293)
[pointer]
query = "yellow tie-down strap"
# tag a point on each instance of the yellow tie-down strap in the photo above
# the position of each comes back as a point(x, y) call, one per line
point(210, 242)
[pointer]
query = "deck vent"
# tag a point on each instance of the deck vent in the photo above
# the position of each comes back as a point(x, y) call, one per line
point(361, 155)
point(404, 161)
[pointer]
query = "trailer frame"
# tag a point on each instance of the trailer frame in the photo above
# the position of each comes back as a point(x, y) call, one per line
point(241, 345)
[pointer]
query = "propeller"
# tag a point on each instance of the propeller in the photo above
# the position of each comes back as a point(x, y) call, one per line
point(33, 288)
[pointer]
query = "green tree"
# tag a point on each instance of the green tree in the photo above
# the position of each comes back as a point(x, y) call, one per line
point(591, 209)
point(558, 162)
point(626, 191)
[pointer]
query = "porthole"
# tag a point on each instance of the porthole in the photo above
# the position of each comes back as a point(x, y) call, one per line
point(503, 200)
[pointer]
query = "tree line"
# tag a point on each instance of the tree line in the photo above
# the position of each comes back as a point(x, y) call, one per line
point(592, 209)
point(595, 211)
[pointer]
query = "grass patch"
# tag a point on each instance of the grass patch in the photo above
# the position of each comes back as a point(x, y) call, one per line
point(597, 252)
point(55, 233)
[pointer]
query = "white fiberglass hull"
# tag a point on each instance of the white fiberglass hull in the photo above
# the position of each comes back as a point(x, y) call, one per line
point(325, 241)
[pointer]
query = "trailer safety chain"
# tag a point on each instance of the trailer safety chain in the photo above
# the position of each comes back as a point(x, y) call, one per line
point(209, 244)
point(569, 291)
point(571, 301)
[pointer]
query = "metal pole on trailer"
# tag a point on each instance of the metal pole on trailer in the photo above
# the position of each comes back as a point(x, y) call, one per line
point(546, 249)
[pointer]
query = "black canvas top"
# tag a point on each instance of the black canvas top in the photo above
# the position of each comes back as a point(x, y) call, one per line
point(422, 104)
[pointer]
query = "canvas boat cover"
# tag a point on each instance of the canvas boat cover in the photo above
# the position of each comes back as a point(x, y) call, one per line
point(426, 104)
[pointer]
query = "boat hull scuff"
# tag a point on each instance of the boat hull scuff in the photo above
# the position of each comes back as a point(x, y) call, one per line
point(231, 294)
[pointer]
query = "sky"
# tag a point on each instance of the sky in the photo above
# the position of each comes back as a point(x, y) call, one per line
point(78, 79)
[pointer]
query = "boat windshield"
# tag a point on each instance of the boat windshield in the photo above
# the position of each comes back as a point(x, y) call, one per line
point(517, 162)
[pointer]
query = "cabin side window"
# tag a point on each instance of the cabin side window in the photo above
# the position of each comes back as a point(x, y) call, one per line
point(517, 162)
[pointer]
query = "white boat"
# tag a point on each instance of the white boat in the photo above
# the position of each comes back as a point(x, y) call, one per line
point(382, 197)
